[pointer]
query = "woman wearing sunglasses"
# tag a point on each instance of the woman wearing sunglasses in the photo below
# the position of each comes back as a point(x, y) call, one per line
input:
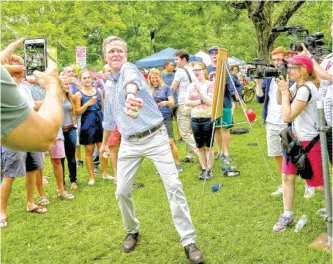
point(299, 108)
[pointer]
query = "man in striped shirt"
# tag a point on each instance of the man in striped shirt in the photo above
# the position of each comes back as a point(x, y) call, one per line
point(143, 135)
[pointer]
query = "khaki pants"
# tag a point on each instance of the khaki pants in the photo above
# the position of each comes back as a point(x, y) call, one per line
point(131, 154)
point(185, 129)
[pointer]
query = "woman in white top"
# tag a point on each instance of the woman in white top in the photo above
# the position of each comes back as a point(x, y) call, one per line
point(200, 99)
point(299, 108)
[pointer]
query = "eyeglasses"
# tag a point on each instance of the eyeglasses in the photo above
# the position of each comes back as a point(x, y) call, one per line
point(292, 67)
point(197, 70)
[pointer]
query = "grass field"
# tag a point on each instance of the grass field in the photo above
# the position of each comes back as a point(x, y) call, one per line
point(234, 225)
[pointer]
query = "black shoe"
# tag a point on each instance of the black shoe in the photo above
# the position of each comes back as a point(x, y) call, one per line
point(194, 254)
point(203, 175)
point(130, 242)
point(210, 175)
point(187, 160)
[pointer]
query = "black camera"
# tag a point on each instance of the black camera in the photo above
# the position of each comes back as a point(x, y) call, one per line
point(261, 70)
point(314, 43)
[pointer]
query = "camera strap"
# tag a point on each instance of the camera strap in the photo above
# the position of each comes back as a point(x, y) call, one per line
point(310, 94)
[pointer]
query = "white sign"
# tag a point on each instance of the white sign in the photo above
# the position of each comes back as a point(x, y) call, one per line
point(81, 55)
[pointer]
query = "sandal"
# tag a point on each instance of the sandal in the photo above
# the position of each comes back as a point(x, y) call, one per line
point(37, 209)
point(43, 201)
point(65, 196)
point(3, 222)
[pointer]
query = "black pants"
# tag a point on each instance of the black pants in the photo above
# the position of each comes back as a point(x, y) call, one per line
point(70, 145)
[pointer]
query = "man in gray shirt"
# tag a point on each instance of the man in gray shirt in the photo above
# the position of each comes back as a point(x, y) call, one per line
point(143, 135)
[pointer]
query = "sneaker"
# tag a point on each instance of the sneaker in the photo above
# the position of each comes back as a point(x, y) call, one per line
point(217, 156)
point(180, 168)
point(210, 175)
point(226, 159)
point(91, 182)
point(194, 254)
point(109, 177)
point(222, 157)
point(97, 170)
point(309, 192)
point(278, 191)
point(187, 160)
point(203, 175)
point(283, 223)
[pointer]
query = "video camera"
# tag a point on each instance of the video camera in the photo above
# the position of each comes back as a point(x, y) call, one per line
point(262, 70)
point(314, 43)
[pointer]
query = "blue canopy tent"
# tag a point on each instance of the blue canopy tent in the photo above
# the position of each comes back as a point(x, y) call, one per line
point(158, 59)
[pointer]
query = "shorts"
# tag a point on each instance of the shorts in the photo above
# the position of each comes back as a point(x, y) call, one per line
point(316, 163)
point(226, 120)
point(115, 137)
point(12, 163)
point(274, 145)
point(57, 150)
point(168, 124)
point(202, 131)
point(34, 161)
point(78, 126)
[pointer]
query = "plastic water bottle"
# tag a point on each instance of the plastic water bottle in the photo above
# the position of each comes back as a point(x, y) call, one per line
point(228, 168)
point(216, 187)
point(301, 223)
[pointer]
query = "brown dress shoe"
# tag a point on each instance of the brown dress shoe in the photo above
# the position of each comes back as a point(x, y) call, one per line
point(130, 242)
point(194, 254)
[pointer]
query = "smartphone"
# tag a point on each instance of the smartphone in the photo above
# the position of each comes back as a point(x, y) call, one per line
point(35, 55)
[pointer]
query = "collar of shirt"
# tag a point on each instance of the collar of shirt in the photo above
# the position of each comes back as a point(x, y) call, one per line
point(114, 78)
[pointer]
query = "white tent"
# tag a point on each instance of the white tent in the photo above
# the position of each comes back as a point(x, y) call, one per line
point(205, 57)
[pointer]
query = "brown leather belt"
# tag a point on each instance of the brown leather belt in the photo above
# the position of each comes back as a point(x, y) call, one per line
point(67, 128)
point(147, 132)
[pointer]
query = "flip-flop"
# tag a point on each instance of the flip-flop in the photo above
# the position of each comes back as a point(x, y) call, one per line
point(43, 201)
point(37, 209)
point(3, 222)
point(65, 196)
point(232, 173)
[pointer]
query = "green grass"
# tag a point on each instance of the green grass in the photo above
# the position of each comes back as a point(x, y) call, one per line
point(234, 225)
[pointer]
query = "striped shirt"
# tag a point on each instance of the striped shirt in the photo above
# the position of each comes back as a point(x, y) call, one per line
point(114, 104)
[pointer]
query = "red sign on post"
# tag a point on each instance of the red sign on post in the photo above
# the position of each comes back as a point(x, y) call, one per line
point(81, 55)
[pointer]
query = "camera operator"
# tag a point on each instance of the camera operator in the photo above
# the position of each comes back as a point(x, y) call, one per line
point(266, 93)
point(324, 72)
point(22, 128)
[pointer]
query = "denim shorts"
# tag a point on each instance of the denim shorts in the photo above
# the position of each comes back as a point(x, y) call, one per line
point(202, 131)
point(168, 124)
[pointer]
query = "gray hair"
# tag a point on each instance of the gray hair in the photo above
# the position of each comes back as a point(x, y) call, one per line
point(67, 68)
point(110, 39)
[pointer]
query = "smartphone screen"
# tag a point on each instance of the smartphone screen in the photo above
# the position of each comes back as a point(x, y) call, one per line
point(35, 55)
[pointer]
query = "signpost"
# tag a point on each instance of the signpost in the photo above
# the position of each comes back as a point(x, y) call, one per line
point(81, 55)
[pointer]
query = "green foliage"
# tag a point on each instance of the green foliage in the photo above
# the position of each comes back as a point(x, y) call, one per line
point(234, 225)
point(191, 26)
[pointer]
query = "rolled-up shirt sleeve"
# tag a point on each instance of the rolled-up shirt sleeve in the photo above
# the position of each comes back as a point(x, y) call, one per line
point(131, 74)
point(109, 121)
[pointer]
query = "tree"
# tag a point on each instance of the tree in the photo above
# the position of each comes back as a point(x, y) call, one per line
point(261, 15)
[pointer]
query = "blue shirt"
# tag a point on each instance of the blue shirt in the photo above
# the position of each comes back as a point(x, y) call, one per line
point(228, 91)
point(161, 94)
point(168, 79)
point(115, 90)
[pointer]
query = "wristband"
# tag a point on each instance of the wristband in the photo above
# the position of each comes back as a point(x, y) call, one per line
point(129, 93)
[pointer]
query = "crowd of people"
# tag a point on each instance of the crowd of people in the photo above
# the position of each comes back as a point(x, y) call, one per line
point(126, 116)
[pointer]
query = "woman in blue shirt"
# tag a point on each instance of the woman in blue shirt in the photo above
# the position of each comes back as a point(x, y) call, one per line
point(164, 99)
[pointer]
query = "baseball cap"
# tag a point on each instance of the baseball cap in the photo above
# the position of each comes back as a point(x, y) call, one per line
point(214, 48)
point(304, 61)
